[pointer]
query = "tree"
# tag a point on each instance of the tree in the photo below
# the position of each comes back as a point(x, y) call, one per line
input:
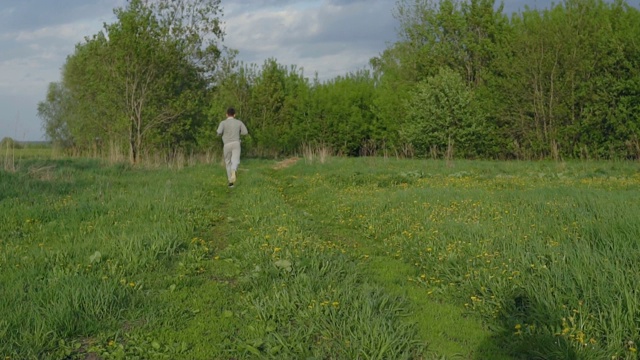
point(464, 36)
point(607, 101)
point(162, 50)
point(54, 112)
point(277, 99)
point(231, 87)
point(461, 35)
point(444, 117)
point(568, 79)
point(145, 76)
point(92, 104)
point(340, 114)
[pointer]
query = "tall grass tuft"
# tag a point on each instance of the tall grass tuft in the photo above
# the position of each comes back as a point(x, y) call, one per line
point(9, 156)
point(316, 153)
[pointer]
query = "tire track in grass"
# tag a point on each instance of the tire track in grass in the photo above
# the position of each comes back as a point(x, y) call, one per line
point(304, 296)
point(196, 318)
point(447, 330)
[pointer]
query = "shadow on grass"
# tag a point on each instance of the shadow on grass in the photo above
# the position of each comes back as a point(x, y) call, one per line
point(543, 343)
point(540, 347)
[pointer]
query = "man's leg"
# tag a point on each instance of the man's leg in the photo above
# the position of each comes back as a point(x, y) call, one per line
point(235, 160)
point(228, 154)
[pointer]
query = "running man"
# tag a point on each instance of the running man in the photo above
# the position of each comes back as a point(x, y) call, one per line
point(230, 129)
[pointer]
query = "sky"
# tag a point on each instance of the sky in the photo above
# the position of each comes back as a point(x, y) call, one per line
point(327, 37)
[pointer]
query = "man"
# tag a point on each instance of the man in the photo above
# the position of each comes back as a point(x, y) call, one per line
point(230, 129)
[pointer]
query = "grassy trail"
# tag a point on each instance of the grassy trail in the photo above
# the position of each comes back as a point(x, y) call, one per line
point(445, 329)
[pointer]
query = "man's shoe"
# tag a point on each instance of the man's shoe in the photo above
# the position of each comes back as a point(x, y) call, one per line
point(232, 179)
point(230, 185)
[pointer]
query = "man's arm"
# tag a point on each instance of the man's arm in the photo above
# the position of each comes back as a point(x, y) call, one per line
point(220, 129)
point(243, 129)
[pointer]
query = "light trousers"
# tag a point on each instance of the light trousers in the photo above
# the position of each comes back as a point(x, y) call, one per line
point(231, 153)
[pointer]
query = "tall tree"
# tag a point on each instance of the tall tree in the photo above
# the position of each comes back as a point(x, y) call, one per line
point(275, 103)
point(567, 78)
point(230, 87)
point(145, 76)
point(91, 113)
point(444, 118)
point(460, 35)
point(54, 112)
point(341, 115)
point(463, 36)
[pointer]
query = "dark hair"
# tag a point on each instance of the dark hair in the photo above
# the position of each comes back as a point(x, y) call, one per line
point(231, 111)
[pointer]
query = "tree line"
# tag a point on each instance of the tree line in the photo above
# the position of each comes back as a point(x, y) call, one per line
point(463, 80)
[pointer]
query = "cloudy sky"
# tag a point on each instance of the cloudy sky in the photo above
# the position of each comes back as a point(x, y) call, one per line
point(327, 37)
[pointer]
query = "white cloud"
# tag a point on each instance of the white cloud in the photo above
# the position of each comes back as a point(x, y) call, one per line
point(32, 59)
point(329, 38)
point(32, 56)
point(7, 12)
point(69, 32)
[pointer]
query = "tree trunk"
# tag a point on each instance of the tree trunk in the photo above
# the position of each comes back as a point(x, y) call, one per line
point(133, 150)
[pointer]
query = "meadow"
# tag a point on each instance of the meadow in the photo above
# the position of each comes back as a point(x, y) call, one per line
point(319, 258)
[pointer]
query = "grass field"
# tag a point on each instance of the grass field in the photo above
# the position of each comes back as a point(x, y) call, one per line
point(367, 258)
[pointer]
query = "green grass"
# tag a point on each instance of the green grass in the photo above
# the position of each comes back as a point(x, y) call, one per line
point(365, 258)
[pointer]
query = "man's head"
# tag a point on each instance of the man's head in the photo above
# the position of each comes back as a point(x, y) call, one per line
point(231, 112)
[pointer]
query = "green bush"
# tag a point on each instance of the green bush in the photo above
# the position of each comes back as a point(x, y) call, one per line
point(9, 143)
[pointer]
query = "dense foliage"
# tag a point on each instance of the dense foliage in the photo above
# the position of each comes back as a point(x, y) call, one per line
point(464, 79)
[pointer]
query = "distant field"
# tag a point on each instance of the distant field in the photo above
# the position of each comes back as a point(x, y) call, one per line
point(25, 150)
point(367, 258)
